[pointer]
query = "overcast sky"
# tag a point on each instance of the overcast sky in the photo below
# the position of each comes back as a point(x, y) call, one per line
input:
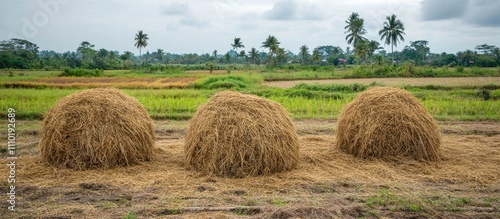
point(201, 26)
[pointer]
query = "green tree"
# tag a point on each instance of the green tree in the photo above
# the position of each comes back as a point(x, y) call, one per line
point(272, 44)
point(254, 55)
point(304, 54)
point(372, 47)
point(361, 49)
point(141, 40)
point(355, 29)
point(421, 48)
point(215, 55)
point(466, 58)
point(496, 54)
point(18, 53)
point(242, 54)
point(227, 56)
point(392, 32)
point(87, 53)
point(159, 55)
point(281, 55)
point(485, 49)
point(316, 57)
point(237, 44)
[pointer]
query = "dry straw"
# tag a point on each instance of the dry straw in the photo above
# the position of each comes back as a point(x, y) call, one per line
point(97, 128)
point(388, 123)
point(239, 135)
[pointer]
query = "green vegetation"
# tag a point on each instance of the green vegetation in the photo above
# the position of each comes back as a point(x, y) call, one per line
point(278, 201)
point(424, 203)
point(79, 72)
point(302, 101)
point(130, 215)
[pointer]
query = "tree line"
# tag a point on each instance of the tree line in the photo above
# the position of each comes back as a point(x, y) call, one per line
point(23, 54)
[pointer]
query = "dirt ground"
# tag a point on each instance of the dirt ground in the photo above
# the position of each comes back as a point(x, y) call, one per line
point(458, 81)
point(327, 183)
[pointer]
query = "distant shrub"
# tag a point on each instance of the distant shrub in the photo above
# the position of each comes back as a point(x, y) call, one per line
point(227, 82)
point(80, 72)
point(460, 69)
point(484, 94)
point(331, 87)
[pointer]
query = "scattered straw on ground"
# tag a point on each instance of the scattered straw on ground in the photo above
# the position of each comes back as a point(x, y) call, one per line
point(98, 128)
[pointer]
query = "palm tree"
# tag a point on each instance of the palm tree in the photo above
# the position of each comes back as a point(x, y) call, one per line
point(141, 40)
point(228, 58)
point(159, 54)
point(361, 49)
point(242, 54)
point(253, 54)
point(315, 56)
point(214, 55)
point(237, 44)
point(496, 53)
point(393, 31)
point(280, 55)
point(304, 54)
point(373, 46)
point(355, 29)
point(272, 44)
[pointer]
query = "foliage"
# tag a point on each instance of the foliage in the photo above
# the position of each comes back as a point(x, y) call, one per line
point(227, 82)
point(80, 72)
point(392, 32)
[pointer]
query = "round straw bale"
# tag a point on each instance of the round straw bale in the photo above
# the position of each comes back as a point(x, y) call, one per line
point(388, 123)
point(239, 135)
point(97, 128)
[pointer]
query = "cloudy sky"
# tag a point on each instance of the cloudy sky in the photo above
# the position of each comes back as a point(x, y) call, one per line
point(201, 26)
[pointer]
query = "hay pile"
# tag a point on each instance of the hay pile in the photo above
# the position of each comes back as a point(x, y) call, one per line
point(239, 135)
point(97, 128)
point(388, 123)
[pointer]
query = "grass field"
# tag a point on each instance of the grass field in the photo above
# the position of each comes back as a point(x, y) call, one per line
point(327, 183)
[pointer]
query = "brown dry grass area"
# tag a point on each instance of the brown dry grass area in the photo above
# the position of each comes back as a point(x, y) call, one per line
point(327, 183)
point(458, 81)
point(118, 82)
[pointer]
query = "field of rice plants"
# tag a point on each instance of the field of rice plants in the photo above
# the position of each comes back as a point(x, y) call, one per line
point(454, 105)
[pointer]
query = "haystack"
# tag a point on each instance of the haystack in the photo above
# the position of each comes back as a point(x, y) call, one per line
point(97, 128)
point(388, 123)
point(239, 135)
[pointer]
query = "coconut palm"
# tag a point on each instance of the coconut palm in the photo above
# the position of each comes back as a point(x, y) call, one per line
point(159, 55)
point(242, 54)
point(237, 44)
point(373, 46)
point(316, 56)
point(355, 29)
point(361, 49)
point(141, 40)
point(253, 54)
point(392, 32)
point(214, 54)
point(272, 44)
point(304, 54)
point(281, 55)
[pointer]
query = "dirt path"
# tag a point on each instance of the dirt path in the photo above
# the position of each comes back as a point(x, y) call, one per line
point(459, 81)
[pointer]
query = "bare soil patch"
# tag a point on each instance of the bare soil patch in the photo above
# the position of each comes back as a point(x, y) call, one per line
point(327, 184)
point(458, 81)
